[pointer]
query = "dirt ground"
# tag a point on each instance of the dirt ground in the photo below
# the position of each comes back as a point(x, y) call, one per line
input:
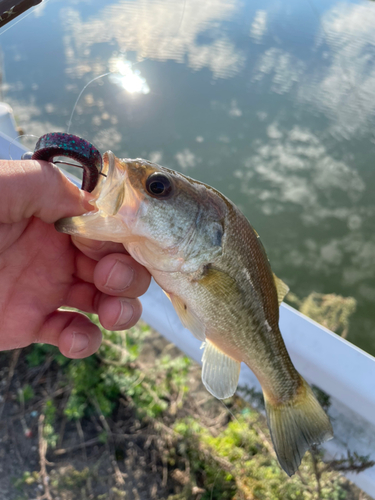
point(131, 464)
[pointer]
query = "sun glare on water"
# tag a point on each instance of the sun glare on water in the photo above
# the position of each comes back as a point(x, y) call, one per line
point(127, 77)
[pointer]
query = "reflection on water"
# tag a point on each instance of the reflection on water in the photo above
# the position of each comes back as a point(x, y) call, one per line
point(293, 167)
point(285, 69)
point(127, 77)
point(272, 103)
point(345, 88)
point(259, 25)
point(159, 30)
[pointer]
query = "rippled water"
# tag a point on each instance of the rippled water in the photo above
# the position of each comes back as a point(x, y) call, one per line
point(272, 102)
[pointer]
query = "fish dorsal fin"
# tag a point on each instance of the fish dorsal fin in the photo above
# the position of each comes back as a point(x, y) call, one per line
point(281, 287)
point(220, 373)
point(187, 317)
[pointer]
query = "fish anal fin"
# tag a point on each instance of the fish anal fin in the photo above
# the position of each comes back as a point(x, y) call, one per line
point(295, 426)
point(281, 287)
point(187, 317)
point(220, 372)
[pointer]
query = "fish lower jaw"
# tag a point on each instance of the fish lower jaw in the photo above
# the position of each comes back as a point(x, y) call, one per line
point(68, 226)
point(93, 225)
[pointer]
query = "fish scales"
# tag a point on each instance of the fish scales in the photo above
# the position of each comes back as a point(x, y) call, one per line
point(247, 261)
point(239, 319)
point(210, 262)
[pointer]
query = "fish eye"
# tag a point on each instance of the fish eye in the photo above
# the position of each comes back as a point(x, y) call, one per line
point(159, 185)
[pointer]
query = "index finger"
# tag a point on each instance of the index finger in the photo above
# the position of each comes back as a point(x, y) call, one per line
point(97, 249)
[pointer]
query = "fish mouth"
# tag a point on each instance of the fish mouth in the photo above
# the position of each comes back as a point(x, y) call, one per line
point(114, 206)
point(108, 195)
point(110, 190)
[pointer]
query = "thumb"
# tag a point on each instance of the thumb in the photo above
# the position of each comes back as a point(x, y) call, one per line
point(38, 188)
point(72, 332)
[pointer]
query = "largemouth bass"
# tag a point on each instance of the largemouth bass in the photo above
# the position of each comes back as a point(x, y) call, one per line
point(210, 262)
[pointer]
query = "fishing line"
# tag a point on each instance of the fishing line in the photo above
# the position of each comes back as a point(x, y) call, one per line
point(242, 444)
point(16, 139)
point(213, 484)
point(80, 94)
point(111, 72)
point(228, 410)
point(55, 162)
point(182, 18)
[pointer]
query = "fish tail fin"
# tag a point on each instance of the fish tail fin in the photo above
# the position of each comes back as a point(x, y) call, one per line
point(296, 425)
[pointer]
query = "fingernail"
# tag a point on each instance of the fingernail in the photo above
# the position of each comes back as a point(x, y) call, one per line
point(80, 341)
point(126, 313)
point(119, 277)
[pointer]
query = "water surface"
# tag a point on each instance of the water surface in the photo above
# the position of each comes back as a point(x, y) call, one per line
point(271, 102)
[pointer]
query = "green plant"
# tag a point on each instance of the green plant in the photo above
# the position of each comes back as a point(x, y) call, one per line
point(28, 478)
point(39, 352)
point(49, 433)
point(170, 431)
point(239, 463)
point(330, 310)
point(25, 393)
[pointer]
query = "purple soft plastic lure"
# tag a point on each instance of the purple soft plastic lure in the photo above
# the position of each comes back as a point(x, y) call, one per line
point(71, 146)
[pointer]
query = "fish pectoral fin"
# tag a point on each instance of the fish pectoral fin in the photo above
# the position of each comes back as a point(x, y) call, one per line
point(218, 283)
point(281, 287)
point(220, 373)
point(295, 426)
point(188, 318)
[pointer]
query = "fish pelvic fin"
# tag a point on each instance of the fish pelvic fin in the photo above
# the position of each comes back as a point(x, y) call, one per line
point(220, 373)
point(297, 425)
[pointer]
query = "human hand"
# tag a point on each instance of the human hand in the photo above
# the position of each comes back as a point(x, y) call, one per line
point(42, 270)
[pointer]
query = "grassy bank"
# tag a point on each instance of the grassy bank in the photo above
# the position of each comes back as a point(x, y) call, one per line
point(134, 422)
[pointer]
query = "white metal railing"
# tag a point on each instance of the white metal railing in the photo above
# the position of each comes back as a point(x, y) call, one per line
point(339, 368)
